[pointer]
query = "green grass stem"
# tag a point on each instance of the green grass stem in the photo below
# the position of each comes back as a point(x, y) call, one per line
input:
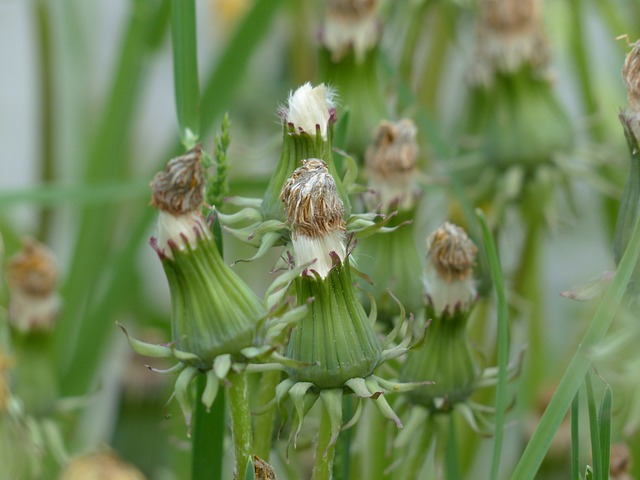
point(575, 437)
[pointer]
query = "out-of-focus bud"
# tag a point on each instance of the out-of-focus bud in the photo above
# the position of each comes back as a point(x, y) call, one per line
point(392, 260)
point(391, 165)
point(351, 25)
point(32, 275)
point(349, 60)
point(510, 35)
point(620, 462)
point(100, 466)
point(448, 279)
point(446, 356)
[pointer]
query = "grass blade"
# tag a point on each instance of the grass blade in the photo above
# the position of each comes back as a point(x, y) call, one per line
point(502, 399)
point(594, 429)
point(185, 70)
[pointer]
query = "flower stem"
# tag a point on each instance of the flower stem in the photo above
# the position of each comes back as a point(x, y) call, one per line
point(323, 465)
point(264, 422)
point(240, 420)
point(528, 287)
point(208, 436)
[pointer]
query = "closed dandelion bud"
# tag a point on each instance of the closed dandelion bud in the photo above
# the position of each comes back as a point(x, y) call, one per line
point(629, 212)
point(335, 338)
point(32, 276)
point(34, 304)
point(392, 259)
point(307, 132)
point(214, 311)
point(351, 26)
point(514, 120)
point(99, 466)
point(348, 59)
point(445, 356)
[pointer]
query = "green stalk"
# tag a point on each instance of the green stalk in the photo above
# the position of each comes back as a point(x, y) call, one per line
point(185, 70)
point(342, 460)
point(323, 464)
point(46, 145)
point(439, 43)
point(502, 398)
point(527, 286)
point(376, 460)
point(264, 422)
point(551, 419)
point(241, 420)
point(575, 437)
point(208, 446)
point(452, 460)
point(207, 442)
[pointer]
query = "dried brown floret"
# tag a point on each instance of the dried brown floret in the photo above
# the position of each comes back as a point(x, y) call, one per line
point(452, 252)
point(179, 188)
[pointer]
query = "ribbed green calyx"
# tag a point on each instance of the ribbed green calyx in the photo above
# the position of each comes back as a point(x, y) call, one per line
point(336, 337)
point(214, 311)
point(397, 267)
point(519, 120)
point(298, 146)
point(446, 358)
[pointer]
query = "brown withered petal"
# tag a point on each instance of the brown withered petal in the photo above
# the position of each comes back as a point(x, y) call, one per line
point(33, 270)
point(452, 252)
point(263, 471)
point(179, 188)
point(312, 205)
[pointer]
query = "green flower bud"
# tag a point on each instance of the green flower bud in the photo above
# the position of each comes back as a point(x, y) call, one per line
point(446, 356)
point(335, 338)
point(349, 60)
point(391, 167)
point(307, 133)
point(32, 276)
point(214, 311)
point(514, 120)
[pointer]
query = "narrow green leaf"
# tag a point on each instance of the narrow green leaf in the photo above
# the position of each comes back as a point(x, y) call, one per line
point(594, 431)
point(502, 399)
point(185, 70)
